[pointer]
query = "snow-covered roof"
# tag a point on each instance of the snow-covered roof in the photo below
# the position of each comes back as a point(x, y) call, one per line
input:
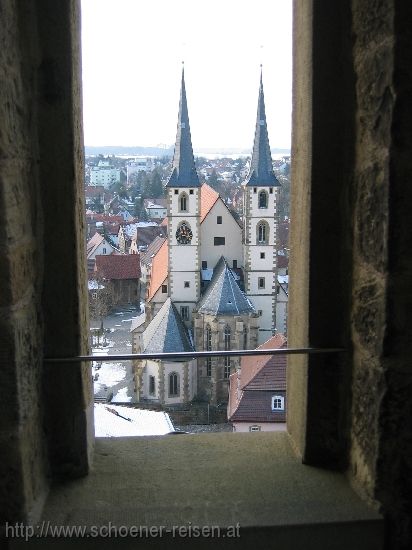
point(283, 279)
point(138, 321)
point(94, 285)
point(115, 421)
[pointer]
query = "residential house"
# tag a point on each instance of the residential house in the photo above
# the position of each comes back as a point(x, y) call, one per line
point(257, 394)
point(96, 196)
point(96, 246)
point(122, 272)
point(104, 174)
point(156, 209)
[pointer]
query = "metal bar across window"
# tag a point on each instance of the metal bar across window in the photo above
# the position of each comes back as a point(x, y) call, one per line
point(192, 354)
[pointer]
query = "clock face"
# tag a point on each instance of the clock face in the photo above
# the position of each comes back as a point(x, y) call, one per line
point(184, 234)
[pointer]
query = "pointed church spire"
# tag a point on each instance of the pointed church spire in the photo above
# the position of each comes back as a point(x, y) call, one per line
point(183, 168)
point(261, 168)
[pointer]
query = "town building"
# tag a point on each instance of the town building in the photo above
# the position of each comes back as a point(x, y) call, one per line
point(139, 164)
point(104, 174)
point(257, 394)
point(156, 209)
point(122, 273)
point(219, 276)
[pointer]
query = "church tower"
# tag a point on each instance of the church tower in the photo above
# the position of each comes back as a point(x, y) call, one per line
point(183, 199)
point(260, 192)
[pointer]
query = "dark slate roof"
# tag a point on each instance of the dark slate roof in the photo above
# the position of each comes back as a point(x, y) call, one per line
point(166, 332)
point(256, 406)
point(261, 168)
point(183, 167)
point(223, 295)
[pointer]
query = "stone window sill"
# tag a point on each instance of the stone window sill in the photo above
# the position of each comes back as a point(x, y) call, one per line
point(254, 480)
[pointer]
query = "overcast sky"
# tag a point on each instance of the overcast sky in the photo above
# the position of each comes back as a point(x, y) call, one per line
point(132, 54)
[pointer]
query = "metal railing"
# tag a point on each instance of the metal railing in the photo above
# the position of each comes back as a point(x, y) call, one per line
point(193, 354)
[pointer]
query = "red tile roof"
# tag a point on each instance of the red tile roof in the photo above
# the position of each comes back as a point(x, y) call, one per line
point(164, 222)
point(252, 388)
point(121, 266)
point(160, 267)
point(208, 197)
point(251, 366)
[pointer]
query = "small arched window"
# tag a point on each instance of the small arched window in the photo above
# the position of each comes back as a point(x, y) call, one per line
point(208, 347)
point(227, 335)
point(263, 232)
point(183, 202)
point(244, 337)
point(174, 389)
point(263, 199)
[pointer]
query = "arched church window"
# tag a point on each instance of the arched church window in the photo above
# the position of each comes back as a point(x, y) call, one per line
point(208, 347)
point(263, 199)
point(244, 337)
point(263, 232)
point(227, 335)
point(174, 389)
point(183, 202)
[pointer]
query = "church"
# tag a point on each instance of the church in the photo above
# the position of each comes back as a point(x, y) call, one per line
point(212, 284)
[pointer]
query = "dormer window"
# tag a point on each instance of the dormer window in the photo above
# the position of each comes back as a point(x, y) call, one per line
point(278, 403)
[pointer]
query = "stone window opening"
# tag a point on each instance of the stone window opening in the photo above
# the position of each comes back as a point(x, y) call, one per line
point(183, 202)
point(227, 362)
point(312, 451)
point(263, 199)
point(174, 384)
point(208, 347)
point(263, 232)
point(152, 385)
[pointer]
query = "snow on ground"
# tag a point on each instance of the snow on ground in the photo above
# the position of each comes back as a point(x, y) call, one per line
point(121, 396)
point(109, 374)
point(115, 421)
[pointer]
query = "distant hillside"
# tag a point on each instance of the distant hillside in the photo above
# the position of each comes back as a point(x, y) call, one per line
point(239, 151)
point(159, 152)
point(131, 151)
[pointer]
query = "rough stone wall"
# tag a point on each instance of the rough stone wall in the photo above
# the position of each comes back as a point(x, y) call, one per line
point(23, 465)
point(351, 224)
point(321, 230)
point(67, 387)
point(381, 451)
point(43, 300)
point(373, 62)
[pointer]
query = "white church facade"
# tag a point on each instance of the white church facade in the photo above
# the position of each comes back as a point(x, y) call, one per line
point(212, 284)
